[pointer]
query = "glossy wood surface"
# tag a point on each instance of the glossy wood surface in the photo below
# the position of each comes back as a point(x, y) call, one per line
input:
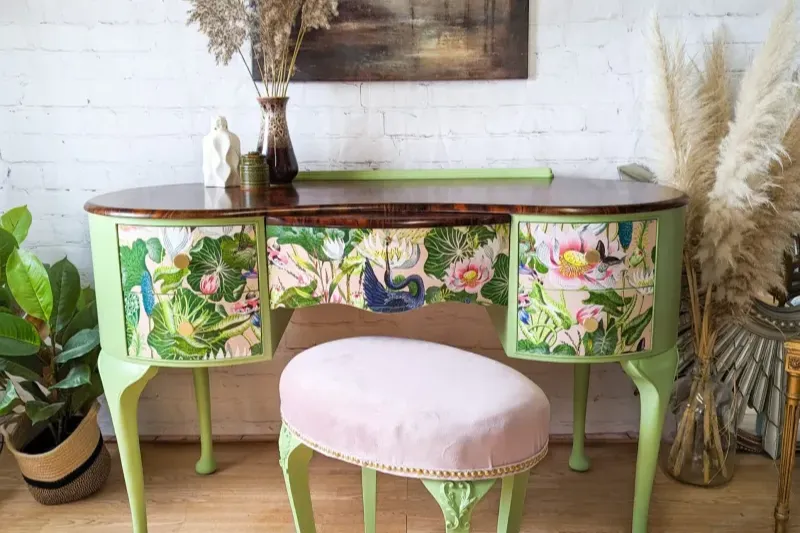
point(392, 203)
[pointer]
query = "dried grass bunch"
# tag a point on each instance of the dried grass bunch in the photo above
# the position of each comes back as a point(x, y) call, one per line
point(741, 172)
point(269, 25)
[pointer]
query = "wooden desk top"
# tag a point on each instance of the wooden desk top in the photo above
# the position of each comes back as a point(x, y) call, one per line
point(405, 202)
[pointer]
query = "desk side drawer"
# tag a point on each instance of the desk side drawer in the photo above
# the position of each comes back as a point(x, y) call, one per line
point(190, 293)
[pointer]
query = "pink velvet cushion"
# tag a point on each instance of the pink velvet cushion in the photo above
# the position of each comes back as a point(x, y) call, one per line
point(415, 408)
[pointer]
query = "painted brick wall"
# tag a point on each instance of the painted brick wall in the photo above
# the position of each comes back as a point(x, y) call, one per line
point(97, 95)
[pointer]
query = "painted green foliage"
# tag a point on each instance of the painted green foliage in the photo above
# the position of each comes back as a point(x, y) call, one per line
point(388, 270)
point(190, 293)
point(586, 289)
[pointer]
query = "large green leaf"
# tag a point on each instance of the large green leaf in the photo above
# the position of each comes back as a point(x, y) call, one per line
point(155, 250)
point(28, 281)
point(447, 245)
point(183, 327)
point(557, 313)
point(296, 297)
point(79, 345)
point(17, 222)
point(81, 398)
point(86, 298)
point(78, 375)
point(9, 399)
point(564, 349)
point(29, 367)
point(65, 283)
point(496, 291)
point(309, 239)
point(239, 251)
point(611, 301)
point(7, 244)
point(39, 411)
point(18, 337)
point(132, 265)
point(206, 259)
point(636, 326)
point(535, 348)
point(83, 319)
point(171, 277)
point(602, 341)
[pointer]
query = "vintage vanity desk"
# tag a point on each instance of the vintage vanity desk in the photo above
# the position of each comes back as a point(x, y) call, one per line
point(569, 271)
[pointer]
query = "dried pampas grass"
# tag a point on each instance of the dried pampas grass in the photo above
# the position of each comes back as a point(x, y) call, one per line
point(765, 108)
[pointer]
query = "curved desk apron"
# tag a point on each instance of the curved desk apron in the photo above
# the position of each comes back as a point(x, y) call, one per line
point(570, 271)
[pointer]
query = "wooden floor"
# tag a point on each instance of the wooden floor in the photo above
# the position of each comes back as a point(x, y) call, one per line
point(247, 495)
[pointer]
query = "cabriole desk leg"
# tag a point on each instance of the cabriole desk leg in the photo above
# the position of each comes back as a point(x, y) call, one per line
point(789, 439)
point(124, 382)
point(653, 378)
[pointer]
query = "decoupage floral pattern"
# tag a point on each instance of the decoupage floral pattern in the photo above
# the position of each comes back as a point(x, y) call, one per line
point(190, 293)
point(387, 270)
point(586, 289)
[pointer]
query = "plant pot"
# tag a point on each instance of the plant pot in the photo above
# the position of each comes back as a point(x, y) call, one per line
point(75, 469)
point(277, 147)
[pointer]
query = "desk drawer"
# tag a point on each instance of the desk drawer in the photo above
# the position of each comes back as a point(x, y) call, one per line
point(586, 289)
point(190, 293)
point(388, 270)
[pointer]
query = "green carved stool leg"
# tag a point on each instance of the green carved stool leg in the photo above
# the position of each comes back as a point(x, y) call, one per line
point(457, 500)
point(124, 382)
point(294, 459)
point(578, 460)
point(654, 378)
point(512, 502)
point(202, 392)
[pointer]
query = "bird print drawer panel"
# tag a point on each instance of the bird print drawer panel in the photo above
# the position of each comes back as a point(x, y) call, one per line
point(190, 293)
point(387, 270)
point(586, 289)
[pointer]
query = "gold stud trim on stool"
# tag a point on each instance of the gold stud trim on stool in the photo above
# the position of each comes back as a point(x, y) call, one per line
point(425, 473)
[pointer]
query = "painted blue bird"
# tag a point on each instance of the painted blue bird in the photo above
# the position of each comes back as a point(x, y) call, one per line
point(148, 293)
point(381, 300)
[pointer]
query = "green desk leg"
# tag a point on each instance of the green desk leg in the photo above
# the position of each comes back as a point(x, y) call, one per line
point(580, 386)
point(654, 378)
point(124, 382)
point(202, 392)
point(369, 489)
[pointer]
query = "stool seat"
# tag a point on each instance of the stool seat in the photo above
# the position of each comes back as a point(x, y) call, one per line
point(415, 408)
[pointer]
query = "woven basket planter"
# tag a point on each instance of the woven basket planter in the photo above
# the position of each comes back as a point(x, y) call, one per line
point(77, 468)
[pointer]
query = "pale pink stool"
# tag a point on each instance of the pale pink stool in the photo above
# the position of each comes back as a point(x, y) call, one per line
point(456, 420)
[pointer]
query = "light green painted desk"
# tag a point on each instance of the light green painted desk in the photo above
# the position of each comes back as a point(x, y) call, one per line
point(570, 271)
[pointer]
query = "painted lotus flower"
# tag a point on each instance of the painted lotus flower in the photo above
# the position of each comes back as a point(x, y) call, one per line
point(589, 317)
point(400, 251)
point(573, 261)
point(209, 284)
point(469, 274)
point(643, 279)
point(333, 248)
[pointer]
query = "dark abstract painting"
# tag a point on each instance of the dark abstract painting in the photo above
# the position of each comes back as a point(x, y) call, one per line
point(420, 40)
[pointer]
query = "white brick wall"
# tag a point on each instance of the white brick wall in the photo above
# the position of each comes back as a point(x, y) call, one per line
point(97, 95)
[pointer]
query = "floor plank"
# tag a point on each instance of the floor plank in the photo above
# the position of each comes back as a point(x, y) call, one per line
point(247, 495)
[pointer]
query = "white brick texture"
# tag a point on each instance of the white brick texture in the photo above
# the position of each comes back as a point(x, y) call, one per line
point(97, 95)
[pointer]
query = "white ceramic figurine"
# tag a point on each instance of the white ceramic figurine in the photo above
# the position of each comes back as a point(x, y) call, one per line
point(221, 153)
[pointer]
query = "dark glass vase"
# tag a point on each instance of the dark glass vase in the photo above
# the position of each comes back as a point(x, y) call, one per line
point(277, 144)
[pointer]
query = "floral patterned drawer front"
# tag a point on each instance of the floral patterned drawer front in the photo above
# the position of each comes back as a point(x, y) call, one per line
point(388, 271)
point(586, 289)
point(190, 293)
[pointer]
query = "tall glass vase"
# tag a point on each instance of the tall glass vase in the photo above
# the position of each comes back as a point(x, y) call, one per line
point(702, 439)
point(277, 144)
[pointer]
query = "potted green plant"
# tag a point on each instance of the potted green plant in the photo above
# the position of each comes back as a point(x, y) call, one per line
point(49, 383)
